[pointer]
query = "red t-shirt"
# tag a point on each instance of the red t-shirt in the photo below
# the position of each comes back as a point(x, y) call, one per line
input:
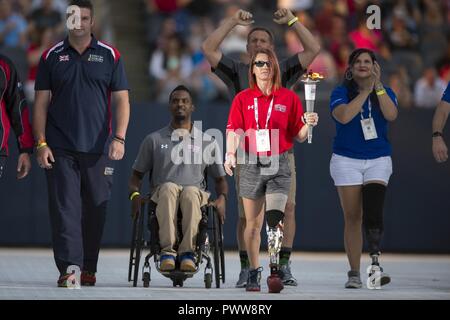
point(286, 116)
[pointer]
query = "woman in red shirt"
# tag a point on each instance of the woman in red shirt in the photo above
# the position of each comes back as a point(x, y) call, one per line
point(269, 118)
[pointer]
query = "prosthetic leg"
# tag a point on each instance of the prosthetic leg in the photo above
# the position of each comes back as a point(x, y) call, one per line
point(373, 202)
point(274, 228)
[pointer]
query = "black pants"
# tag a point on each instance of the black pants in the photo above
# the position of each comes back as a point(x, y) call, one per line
point(79, 187)
point(2, 165)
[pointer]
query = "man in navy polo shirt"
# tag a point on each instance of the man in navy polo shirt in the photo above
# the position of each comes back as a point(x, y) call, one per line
point(72, 127)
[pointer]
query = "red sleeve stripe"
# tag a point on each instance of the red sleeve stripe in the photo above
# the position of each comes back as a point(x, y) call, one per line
point(6, 69)
point(3, 112)
point(46, 54)
point(115, 53)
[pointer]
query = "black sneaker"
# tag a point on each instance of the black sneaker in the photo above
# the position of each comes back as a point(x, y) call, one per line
point(243, 277)
point(254, 280)
point(286, 275)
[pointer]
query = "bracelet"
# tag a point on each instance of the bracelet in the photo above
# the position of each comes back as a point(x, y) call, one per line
point(119, 141)
point(291, 22)
point(437, 134)
point(119, 138)
point(41, 145)
point(134, 195)
point(380, 92)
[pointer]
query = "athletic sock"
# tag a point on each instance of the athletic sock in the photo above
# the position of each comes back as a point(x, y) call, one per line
point(245, 263)
point(285, 255)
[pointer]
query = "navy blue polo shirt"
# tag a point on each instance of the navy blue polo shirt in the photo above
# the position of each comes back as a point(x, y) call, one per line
point(349, 140)
point(446, 95)
point(79, 114)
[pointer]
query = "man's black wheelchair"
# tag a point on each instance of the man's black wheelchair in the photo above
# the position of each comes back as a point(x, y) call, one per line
point(209, 240)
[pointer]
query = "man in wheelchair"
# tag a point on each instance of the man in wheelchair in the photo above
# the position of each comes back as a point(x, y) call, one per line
point(176, 158)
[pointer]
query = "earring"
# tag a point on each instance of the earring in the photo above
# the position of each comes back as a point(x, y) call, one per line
point(348, 75)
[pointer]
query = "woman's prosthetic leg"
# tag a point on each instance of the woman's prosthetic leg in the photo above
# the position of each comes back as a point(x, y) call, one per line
point(373, 203)
point(275, 204)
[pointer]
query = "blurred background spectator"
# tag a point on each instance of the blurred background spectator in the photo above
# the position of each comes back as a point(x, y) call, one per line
point(13, 27)
point(429, 89)
point(46, 16)
point(400, 84)
point(170, 66)
point(40, 40)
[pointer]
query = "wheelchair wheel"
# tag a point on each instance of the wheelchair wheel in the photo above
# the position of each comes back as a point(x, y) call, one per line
point(146, 279)
point(139, 243)
point(132, 250)
point(178, 282)
point(208, 280)
point(215, 244)
point(222, 253)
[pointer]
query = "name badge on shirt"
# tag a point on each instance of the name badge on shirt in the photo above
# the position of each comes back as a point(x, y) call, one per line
point(369, 130)
point(262, 140)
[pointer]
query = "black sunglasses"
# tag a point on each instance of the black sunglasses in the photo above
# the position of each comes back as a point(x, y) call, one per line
point(261, 64)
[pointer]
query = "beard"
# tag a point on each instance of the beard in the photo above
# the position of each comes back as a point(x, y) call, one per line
point(180, 118)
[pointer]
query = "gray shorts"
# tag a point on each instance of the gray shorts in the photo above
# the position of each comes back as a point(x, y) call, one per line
point(256, 181)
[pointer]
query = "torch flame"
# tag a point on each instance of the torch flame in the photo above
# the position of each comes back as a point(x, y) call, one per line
point(313, 75)
point(316, 75)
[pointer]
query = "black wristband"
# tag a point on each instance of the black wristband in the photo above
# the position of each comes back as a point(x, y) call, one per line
point(437, 134)
point(116, 137)
point(119, 139)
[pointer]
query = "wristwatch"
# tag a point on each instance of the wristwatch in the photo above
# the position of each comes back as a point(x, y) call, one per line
point(437, 134)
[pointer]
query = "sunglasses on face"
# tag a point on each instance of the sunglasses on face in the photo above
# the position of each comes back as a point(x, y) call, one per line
point(261, 64)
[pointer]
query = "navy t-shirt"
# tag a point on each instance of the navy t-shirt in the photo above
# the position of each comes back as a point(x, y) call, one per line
point(446, 95)
point(79, 115)
point(349, 140)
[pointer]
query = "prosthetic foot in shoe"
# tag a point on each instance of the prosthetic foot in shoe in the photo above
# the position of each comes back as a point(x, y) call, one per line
point(274, 282)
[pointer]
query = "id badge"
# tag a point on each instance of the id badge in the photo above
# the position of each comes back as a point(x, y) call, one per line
point(369, 130)
point(262, 140)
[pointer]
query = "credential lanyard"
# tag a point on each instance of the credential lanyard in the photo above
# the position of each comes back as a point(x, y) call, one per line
point(370, 110)
point(269, 113)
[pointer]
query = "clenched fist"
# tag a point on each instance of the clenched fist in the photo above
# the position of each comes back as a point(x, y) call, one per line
point(283, 16)
point(243, 18)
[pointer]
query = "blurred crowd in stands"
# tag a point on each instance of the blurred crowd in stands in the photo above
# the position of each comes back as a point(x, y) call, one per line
point(413, 46)
point(27, 29)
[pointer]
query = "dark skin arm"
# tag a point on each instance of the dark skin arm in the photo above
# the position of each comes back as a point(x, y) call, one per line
point(134, 185)
point(220, 203)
